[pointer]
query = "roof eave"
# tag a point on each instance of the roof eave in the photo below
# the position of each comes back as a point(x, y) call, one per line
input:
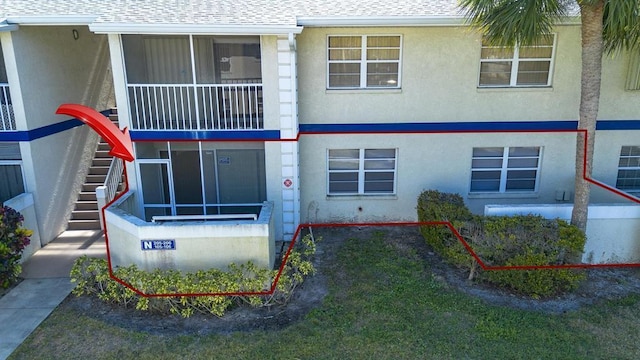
point(364, 21)
point(129, 28)
point(52, 20)
point(4, 26)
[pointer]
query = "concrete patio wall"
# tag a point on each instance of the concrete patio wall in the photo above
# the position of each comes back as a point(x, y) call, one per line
point(613, 230)
point(198, 244)
point(23, 204)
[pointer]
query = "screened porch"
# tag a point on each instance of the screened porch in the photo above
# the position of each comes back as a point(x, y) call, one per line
point(194, 82)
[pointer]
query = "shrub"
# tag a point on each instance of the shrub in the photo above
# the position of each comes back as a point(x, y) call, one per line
point(13, 239)
point(505, 241)
point(437, 206)
point(92, 278)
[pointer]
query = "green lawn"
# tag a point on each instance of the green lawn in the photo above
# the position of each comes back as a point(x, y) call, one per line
point(382, 304)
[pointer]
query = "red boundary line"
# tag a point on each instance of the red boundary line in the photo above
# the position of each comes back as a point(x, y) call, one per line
point(418, 223)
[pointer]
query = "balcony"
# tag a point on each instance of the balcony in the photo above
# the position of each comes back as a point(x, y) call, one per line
point(194, 82)
point(7, 119)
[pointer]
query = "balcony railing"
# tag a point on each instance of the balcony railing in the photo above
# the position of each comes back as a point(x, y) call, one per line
point(7, 119)
point(196, 107)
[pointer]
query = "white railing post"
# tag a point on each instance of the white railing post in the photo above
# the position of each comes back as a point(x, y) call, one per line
point(101, 196)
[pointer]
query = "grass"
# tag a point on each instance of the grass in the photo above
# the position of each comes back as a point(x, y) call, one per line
point(382, 304)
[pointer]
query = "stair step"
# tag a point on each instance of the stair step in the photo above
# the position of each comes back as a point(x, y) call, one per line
point(87, 196)
point(86, 205)
point(101, 162)
point(96, 178)
point(83, 225)
point(103, 146)
point(90, 187)
point(85, 215)
point(101, 154)
point(98, 170)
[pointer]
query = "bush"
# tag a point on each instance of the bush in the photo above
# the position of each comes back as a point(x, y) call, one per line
point(437, 206)
point(523, 240)
point(13, 239)
point(92, 278)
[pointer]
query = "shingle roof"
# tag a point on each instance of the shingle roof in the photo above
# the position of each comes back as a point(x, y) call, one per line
point(221, 12)
point(226, 12)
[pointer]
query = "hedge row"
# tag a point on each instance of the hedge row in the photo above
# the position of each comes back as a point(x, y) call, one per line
point(504, 241)
point(92, 278)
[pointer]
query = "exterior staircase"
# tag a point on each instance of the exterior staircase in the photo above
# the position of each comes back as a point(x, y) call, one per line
point(86, 215)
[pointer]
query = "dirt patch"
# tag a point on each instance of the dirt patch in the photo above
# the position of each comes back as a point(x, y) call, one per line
point(601, 284)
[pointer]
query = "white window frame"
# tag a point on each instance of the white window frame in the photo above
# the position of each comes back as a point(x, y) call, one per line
point(362, 173)
point(504, 171)
point(622, 168)
point(18, 163)
point(515, 64)
point(364, 62)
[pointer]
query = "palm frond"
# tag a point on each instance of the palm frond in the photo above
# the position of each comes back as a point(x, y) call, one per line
point(621, 25)
point(510, 22)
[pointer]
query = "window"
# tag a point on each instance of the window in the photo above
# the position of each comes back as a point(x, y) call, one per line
point(362, 62)
point(11, 176)
point(521, 66)
point(508, 169)
point(629, 169)
point(361, 171)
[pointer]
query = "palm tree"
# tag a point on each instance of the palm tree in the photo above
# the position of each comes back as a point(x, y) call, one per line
point(607, 25)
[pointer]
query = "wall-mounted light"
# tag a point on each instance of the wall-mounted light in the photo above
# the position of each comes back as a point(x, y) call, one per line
point(75, 34)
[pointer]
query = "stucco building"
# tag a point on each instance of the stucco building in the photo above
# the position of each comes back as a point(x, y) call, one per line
point(249, 118)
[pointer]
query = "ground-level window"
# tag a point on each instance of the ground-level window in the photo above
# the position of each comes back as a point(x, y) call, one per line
point(361, 171)
point(505, 169)
point(11, 175)
point(193, 178)
point(629, 169)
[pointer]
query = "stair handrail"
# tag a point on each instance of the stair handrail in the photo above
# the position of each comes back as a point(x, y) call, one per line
point(113, 178)
point(108, 191)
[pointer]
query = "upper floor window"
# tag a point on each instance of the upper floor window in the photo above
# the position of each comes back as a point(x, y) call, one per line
point(361, 171)
point(364, 62)
point(629, 169)
point(521, 66)
point(498, 169)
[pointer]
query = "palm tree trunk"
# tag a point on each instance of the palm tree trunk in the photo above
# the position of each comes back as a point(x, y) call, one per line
point(592, 47)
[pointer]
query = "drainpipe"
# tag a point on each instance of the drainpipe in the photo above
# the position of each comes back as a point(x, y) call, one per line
point(294, 115)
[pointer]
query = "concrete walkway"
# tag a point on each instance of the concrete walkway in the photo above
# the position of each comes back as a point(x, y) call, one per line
point(46, 284)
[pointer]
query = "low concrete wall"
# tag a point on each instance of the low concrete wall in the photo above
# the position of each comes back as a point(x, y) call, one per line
point(613, 231)
point(23, 203)
point(198, 244)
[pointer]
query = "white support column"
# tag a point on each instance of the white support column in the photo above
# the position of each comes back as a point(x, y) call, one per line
point(288, 100)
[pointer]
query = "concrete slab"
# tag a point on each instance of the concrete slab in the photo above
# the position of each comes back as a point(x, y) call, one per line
point(56, 258)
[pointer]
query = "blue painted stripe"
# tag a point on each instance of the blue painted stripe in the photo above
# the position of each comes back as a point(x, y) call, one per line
point(441, 127)
point(44, 131)
point(186, 135)
point(618, 125)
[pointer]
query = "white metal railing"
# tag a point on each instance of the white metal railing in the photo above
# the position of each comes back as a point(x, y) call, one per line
point(109, 189)
point(157, 218)
point(196, 107)
point(7, 119)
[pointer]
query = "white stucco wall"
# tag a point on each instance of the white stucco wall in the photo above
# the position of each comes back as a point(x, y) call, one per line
point(52, 69)
point(613, 231)
point(199, 245)
point(425, 161)
point(23, 204)
point(440, 67)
